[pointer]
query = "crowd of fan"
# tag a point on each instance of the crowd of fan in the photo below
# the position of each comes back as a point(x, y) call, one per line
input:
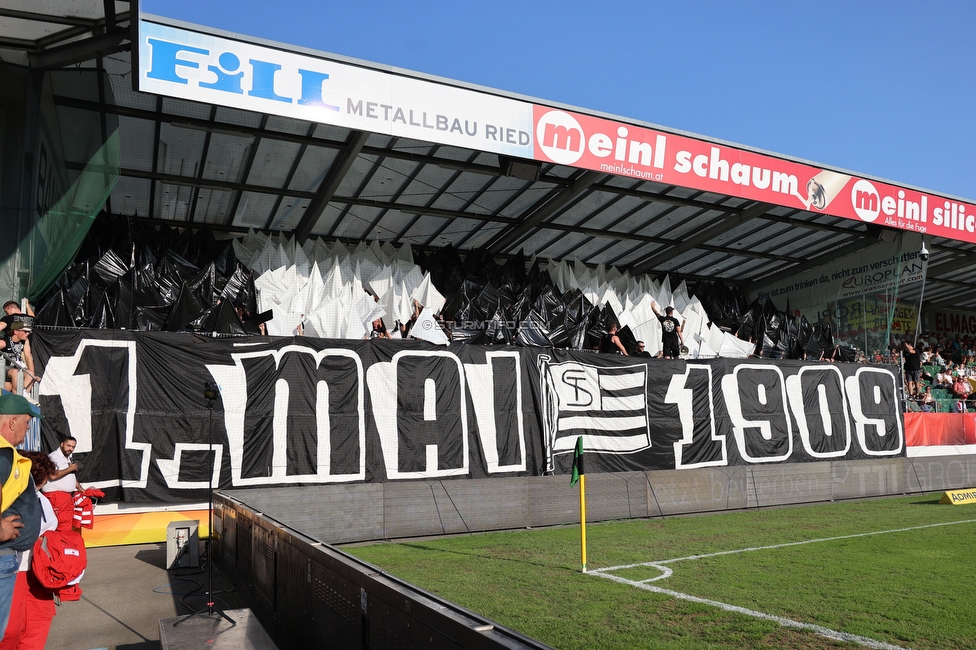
point(940, 374)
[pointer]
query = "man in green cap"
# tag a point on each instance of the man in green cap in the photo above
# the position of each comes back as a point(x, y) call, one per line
point(20, 512)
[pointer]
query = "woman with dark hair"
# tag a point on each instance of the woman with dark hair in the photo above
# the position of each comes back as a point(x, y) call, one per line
point(32, 610)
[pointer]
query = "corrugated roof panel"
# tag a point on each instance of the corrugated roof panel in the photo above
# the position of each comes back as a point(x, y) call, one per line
point(173, 201)
point(313, 168)
point(131, 196)
point(183, 108)
point(290, 212)
point(615, 212)
point(389, 179)
point(461, 191)
point(668, 220)
point(456, 155)
point(696, 223)
point(644, 217)
point(380, 141)
point(501, 190)
point(28, 30)
point(455, 231)
point(627, 257)
point(549, 244)
point(597, 250)
point(136, 138)
point(426, 184)
point(253, 210)
point(758, 231)
point(180, 150)
point(526, 200)
point(423, 229)
point(271, 163)
point(482, 236)
point(408, 145)
point(331, 133)
point(226, 156)
point(358, 171)
point(357, 221)
point(76, 84)
point(327, 219)
point(236, 117)
point(287, 125)
point(213, 205)
point(584, 205)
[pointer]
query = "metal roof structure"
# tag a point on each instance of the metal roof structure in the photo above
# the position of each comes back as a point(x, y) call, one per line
point(192, 164)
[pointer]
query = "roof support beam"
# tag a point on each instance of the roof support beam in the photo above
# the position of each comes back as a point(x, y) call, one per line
point(833, 255)
point(340, 167)
point(552, 203)
point(756, 210)
point(68, 54)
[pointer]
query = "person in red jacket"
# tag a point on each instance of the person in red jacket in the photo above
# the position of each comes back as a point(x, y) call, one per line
point(32, 610)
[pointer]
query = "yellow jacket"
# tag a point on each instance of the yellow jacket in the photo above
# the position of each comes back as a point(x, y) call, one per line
point(19, 478)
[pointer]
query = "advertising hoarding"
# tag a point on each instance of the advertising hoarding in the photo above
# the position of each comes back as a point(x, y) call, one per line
point(194, 65)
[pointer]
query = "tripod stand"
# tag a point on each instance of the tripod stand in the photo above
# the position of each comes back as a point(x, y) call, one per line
point(210, 392)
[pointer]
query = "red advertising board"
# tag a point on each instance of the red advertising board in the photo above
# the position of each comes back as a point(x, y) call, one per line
point(613, 147)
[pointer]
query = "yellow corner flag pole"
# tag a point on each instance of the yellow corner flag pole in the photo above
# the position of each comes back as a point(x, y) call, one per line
point(580, 475)
point(583, 519)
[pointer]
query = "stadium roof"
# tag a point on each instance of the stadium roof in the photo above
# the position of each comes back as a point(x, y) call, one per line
point(195, 163)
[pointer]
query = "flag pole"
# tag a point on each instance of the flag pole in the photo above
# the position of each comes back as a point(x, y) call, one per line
point(579, 475)
point(582, 483)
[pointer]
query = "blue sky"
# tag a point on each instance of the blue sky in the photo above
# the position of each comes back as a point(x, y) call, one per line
point(886, 89)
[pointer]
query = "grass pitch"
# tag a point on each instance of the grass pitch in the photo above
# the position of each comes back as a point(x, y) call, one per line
point(890, 572)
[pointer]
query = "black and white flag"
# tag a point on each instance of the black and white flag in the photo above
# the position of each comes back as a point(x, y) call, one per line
point(605, 405)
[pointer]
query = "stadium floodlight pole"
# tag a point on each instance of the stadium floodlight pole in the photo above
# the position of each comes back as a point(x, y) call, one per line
point(580, 475)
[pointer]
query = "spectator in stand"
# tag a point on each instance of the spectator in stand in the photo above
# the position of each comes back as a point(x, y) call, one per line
point(913, 369)
point(11, 309)
point(16, 342)
point(641, 352)
point(960, 406)
point(955, 349)
point(936, 358)
point(610, 343)
point(960, 387)
point(379, 330)
point(943, 379)
point(671, 337)
point(928, 402)
point(926, 353)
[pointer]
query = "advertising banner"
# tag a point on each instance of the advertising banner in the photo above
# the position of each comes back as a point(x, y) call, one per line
point(299, 410)
point(858, 294)
point(950, 323)
point(616, 148)
point(206, 68)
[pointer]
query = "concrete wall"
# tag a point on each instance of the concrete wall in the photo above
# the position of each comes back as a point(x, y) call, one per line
point(336, 514)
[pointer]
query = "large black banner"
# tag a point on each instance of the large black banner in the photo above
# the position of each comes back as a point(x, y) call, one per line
point(305, 410)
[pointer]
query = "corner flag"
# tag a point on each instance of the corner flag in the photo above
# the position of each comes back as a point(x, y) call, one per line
point(577, 461)
point(579, 475)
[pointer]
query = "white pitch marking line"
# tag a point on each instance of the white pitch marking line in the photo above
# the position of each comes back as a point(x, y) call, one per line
point(785, 622)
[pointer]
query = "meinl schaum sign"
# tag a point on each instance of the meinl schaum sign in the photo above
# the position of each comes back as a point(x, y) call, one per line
point(296, 411)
